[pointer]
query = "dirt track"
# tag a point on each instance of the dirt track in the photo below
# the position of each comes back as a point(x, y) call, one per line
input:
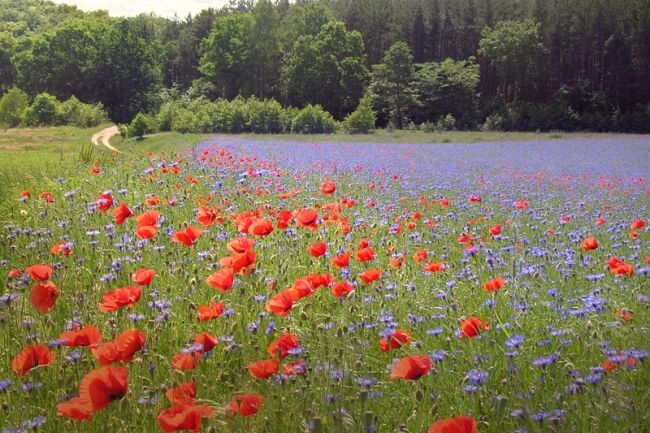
point(104, 136)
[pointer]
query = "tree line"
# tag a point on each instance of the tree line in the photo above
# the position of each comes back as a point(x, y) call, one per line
point(496, 64)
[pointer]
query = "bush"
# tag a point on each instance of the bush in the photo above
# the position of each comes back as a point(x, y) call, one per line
point(447, 123)
point(12, 106)
point(142, 124)
point(74, 112)
point(313, 120)
point(362, 120)
point(43, 111)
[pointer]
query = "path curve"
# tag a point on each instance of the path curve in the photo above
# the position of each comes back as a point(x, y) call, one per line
point(104, 136)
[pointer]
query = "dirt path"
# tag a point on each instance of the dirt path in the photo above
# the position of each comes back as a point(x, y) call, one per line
point(104, 136)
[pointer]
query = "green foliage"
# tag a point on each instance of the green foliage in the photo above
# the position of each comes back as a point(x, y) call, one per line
point(392, 88)
point(12, 105)
point(141, 125)
point(43, 111)
point(74, 112)
point(327, 69)
point(362, 120)
point(448, 87)
point(7, 68)
point(516, 50)
point(313, 119)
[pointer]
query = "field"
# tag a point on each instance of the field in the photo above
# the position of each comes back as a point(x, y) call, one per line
point(250, 285)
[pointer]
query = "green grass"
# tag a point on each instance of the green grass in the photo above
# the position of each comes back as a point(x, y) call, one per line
point(167, 142)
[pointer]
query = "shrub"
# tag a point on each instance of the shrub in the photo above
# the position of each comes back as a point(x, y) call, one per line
point(362, 120)
point(74, 112)
point(12, 106)
point(43, 111)
point(142, 124)
point(313, 120)
point(447, 123)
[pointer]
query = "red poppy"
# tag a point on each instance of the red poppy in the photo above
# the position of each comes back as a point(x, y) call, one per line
point(461, 424)
point(625, 315)
point(121, 213)
point(590, 243)
point(146, 232)
point(240, 245)
point(62, 248)
point(638, 224)
point(342, 288)
point(365, 254)
point(341, 260)
point(245, 404)
point(281, 303)
point(143, 276)
point(619, 267)
point(471, 327)
point(222, 279)
point(521, 204)
point(318, 249)
point(280, 347)
point(600, 221)
point(102, 386)
point(434, 267)
point(307, 218)
point(44, 296)
point(118, 298)
point(149, 218)
point(260, 227)
point(25, 194)
point(396, 262)
point(495, 230)
point(420, 255)
point(444, 202)
point(186, 361)
point(122, 349)
point(31, 357)
point(182, 393)
point(75, 409)
point(104, 201)
point(411, 367)
point(474, 199)
point(371, 275)
point(183, 417)
point(397, 339)
point(46, 196)
point(206, 216)
point(39, 272)
point(86, 336)
point(210, 312)
point(263, 369)
point(239, 262)
point(188, 236)
point(494, 285)
point(205, 340)
point(14, 273)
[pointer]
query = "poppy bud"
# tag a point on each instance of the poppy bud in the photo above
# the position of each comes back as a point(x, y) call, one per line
point(339, 333)
point(358, 364)
point(303, 315)
point(419, 395)
point(589, 324)
point(192, 281)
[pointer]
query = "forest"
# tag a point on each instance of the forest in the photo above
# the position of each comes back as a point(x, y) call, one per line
point(312, 65)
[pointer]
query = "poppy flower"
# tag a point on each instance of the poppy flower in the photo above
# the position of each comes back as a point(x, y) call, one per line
point(146, 232)
point(365, 254)
point(600, 221)
point(222, 279)
point(44, 296)
point(396, 262)
point(318, 249)
point(25, 194)
point(264, 368)
point(307, 218)
point(638, 224)
point(590, 243)
point(371, 275)
point(183, 417)
point(102, 386)
point(444, 202)
point(31, 357)
point(420, 255)
point(280, 304)
point(143, 276)
point(75, 409)
point(461, 424)
point(186, 361)
point(122, 349)
point(39, 272)
point(397, 339)
point(619, 267)
point(240, 245)
point(521, 204)
point(148, 218)
point(296, 367)
point(86, 336)
point(434, 267)
point(261, 227)
point(280, 347)
point(495, 230)
point(328, 187)
point(104, 201)
point(206, 216)
point(341, 260)
point(205, 340)
point(625, 315)
point(209, 312)
point(244, 404)
point(239, 262)
point(494, 285)
point(472, 327)
point(62, 248)
point(121, 213)
point(342, 288)
point(47, 197)
point(474, 199)
point(182, 393)
point(14, 273)
point(188, 236)
point(411, 367)
point(118, 298)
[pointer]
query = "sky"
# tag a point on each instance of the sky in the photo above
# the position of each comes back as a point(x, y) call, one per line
point(165, 8)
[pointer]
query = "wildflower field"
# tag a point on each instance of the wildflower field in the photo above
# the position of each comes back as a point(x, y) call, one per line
point(261, 286)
